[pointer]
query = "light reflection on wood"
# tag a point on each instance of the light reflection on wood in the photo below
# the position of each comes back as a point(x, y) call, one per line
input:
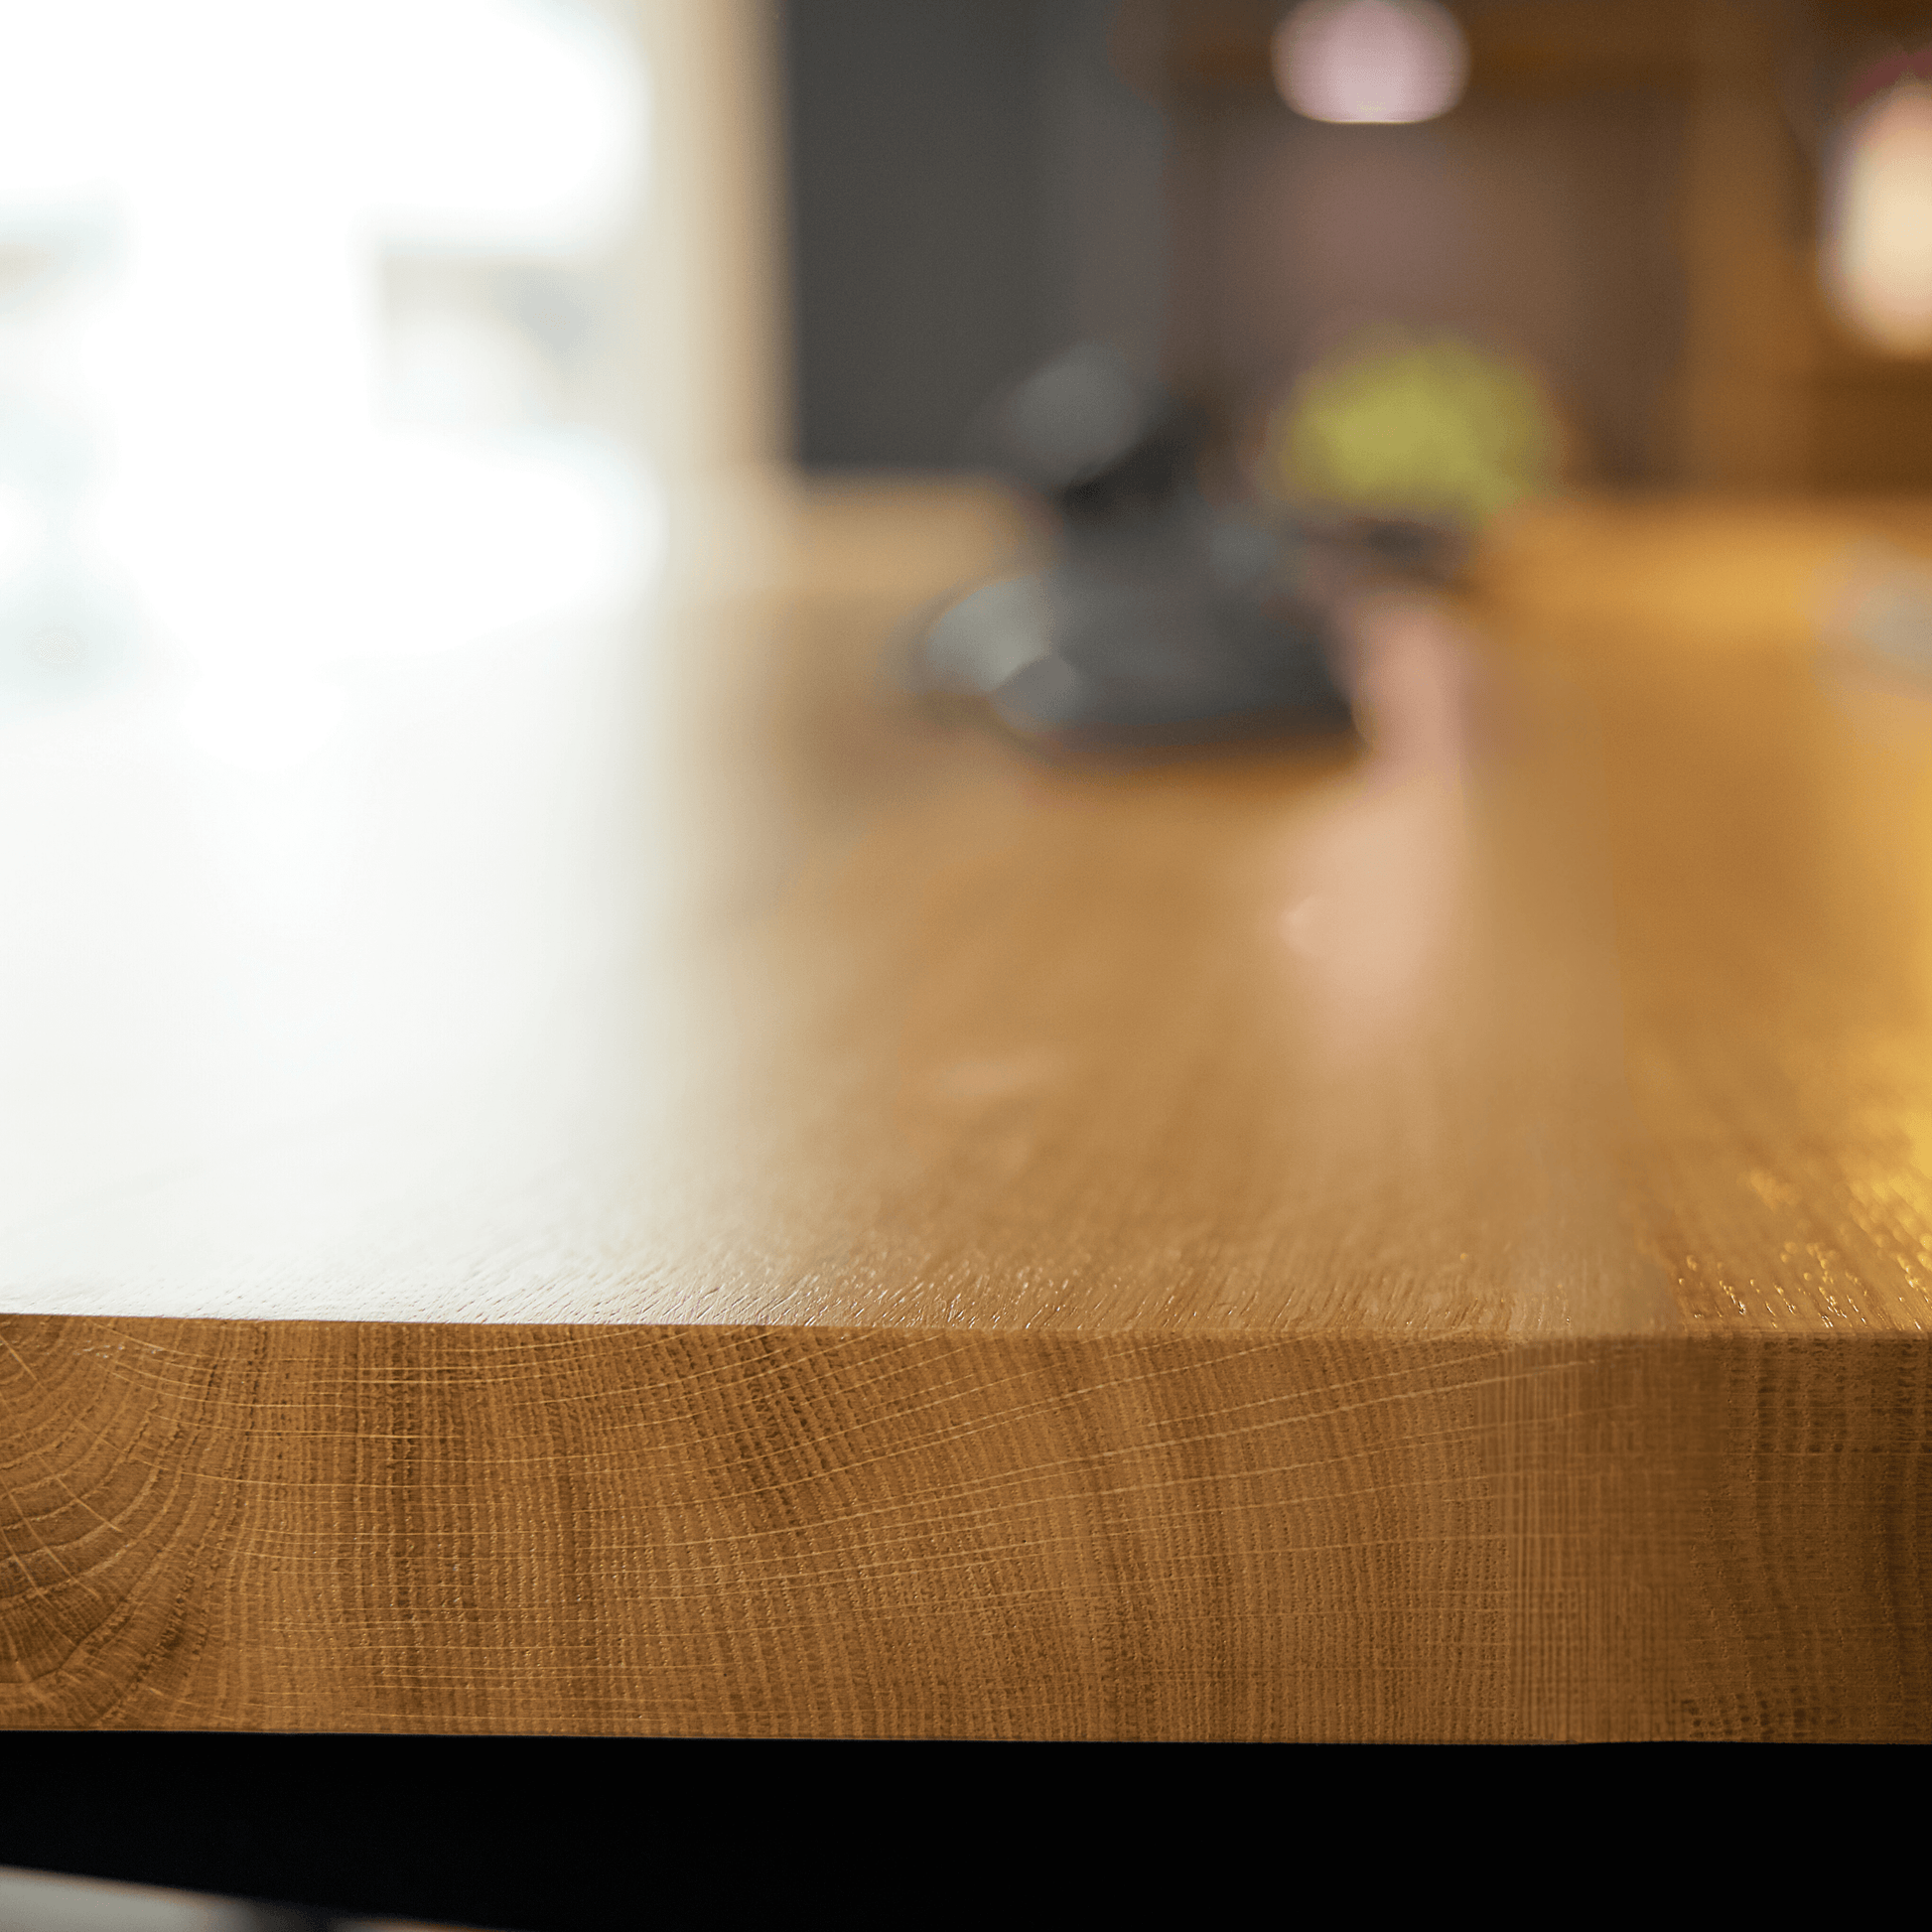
point(1306, 1243)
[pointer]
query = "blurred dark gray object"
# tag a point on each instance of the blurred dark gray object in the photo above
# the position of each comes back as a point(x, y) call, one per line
point(972, 187)
point(1159, 619)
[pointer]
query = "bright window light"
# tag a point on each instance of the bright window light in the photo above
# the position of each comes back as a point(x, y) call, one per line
point(202, 463)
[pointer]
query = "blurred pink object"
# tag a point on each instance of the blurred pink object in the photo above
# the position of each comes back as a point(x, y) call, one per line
point(1386, 61)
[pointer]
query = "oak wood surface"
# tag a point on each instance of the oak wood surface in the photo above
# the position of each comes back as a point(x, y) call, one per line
point(662, 1190)
point(720, 1531)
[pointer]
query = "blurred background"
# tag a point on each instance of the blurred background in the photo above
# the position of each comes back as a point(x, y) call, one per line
point(1638, 201)
point(466, 315)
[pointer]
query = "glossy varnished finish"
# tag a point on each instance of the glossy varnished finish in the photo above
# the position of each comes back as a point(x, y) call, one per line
point(1766, 800)
point(1410, 1241)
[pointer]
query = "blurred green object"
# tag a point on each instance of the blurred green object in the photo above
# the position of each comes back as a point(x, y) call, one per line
point(1436, 429)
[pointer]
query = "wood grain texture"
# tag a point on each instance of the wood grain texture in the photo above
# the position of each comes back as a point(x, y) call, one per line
point(745, 1209)
point(742, 1531)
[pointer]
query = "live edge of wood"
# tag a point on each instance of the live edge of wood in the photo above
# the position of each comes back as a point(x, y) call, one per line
point(757, 1532)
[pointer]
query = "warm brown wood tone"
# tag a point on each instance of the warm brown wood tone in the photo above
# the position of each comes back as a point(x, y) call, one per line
point(826, 1533)
point(1429, 1243)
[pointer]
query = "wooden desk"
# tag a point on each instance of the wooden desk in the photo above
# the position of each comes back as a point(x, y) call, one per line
point(652, 1190)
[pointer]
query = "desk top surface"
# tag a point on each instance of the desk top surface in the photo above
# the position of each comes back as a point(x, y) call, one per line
point(684, 973)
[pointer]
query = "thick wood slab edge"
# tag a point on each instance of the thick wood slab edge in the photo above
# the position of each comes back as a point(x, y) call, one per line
point(768, 1532)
